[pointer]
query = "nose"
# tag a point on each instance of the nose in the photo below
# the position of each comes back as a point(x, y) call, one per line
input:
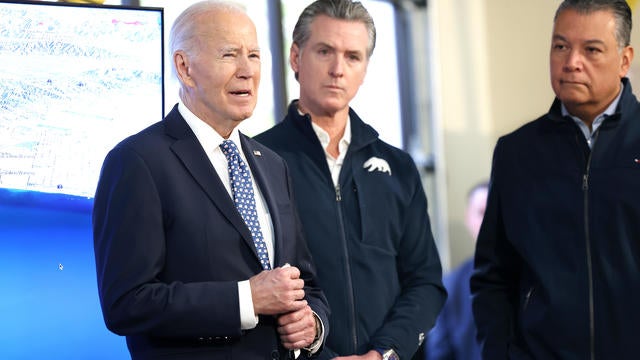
point(573, 62)
point(247, 67)
point(337, 67)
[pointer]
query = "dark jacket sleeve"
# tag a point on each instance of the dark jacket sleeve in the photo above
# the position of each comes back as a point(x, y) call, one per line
point(422, 294)
point(496, 268)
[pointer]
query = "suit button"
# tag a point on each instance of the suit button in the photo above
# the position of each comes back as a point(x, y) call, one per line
point(275, 355)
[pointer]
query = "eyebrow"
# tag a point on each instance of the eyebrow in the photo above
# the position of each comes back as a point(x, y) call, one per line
point(591, 41)
point(348, 51)
point(323, 44)
point(237, 49)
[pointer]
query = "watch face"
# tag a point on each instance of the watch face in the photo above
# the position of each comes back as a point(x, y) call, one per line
point(390, 355)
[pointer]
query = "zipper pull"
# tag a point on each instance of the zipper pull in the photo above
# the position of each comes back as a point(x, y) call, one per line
point(585, 182)
point(338, 196)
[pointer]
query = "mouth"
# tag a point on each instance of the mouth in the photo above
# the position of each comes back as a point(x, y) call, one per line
point(242, 93)
point(571, 82)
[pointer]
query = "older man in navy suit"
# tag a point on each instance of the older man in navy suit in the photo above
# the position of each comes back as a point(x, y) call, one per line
point(199, 255)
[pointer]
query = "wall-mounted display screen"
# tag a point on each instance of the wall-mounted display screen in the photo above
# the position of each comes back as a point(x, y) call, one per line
point(74, 81)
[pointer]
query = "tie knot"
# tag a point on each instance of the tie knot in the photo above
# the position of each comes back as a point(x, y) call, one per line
point(229, 148)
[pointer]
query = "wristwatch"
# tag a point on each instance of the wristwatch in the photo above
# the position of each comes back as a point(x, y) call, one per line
point(388, 354)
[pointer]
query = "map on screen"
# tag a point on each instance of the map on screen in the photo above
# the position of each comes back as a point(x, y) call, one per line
point(74, 82)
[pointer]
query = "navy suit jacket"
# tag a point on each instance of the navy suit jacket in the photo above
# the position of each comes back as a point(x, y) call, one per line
point(170, 247)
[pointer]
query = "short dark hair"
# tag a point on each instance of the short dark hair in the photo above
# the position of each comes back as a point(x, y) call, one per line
point(336, 9)
point(620, 9)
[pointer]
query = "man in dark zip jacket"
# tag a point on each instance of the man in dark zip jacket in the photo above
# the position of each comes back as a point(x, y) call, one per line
point(557, 264)
point(363, 208)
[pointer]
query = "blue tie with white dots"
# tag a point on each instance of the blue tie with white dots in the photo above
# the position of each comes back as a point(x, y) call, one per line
point(243, 197)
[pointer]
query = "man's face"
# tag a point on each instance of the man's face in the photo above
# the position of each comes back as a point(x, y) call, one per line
point(332, 65)
point(586, 63)
point(224, 73)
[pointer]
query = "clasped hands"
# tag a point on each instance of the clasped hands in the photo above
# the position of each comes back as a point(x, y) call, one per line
point(280, 292)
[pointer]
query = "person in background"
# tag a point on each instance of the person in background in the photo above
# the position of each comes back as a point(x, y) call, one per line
point(557, 264)
point(454, 336)
point(361, 201)
point(198, 247)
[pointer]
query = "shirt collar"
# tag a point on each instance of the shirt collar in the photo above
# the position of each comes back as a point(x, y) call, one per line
point(610, 110)
point(207, 136)
point(323, 136)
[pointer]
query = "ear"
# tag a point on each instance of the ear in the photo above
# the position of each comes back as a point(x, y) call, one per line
point(625, 61)
point(181, 62)
point(294, 56)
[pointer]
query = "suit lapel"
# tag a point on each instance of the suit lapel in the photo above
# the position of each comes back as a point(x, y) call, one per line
point(188, 149)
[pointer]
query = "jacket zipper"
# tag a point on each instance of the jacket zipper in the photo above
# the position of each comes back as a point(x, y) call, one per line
point(347, 266)
point(585, 191)
point(585, 187)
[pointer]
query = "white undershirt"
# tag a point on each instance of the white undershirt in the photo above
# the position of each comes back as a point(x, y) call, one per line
point(335, 164)
point(210, 141)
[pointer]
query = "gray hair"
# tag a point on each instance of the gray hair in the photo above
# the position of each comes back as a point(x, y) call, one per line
point(184, 31)
point(619, 8)
point(336, 9)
